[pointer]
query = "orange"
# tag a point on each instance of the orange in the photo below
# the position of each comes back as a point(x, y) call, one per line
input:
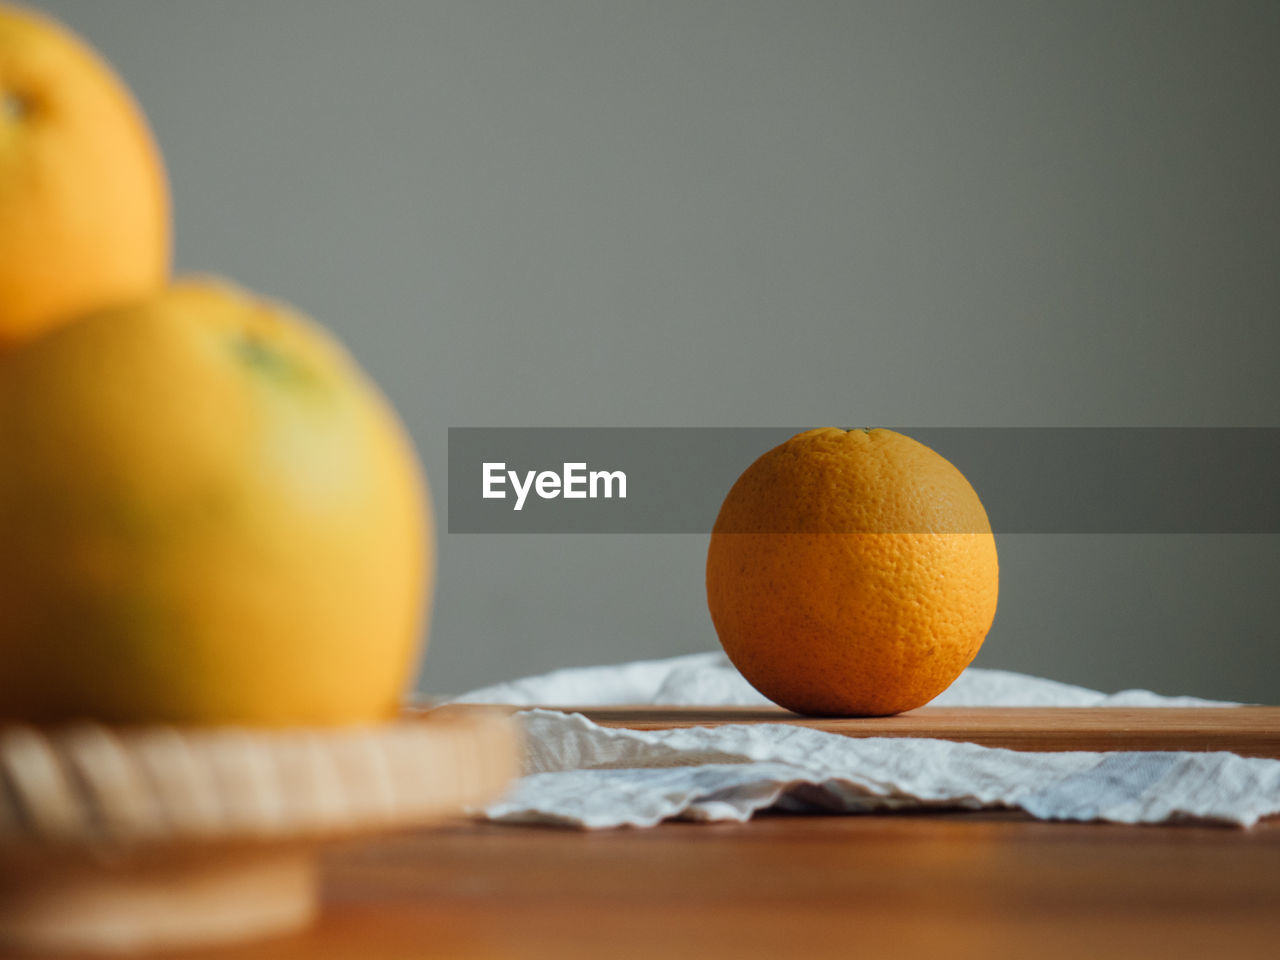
point(852, 573)
point(84, 203)
point(209, 515)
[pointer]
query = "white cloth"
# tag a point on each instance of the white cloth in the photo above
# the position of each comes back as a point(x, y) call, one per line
point(580, 774)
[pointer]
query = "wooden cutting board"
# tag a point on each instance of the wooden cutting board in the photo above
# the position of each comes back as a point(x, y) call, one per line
point(1248, 731)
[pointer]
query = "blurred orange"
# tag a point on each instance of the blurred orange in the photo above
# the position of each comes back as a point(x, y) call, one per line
point(84, 203)
point(209, 515)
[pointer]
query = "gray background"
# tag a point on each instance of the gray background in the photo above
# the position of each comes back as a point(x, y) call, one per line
point(695, 213)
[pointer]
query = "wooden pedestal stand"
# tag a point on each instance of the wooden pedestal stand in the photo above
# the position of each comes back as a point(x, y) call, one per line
point(128, 839)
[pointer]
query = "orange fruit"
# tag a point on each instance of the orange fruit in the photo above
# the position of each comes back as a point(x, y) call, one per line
point(84, 202)
point(208, 515)
point(851, 573)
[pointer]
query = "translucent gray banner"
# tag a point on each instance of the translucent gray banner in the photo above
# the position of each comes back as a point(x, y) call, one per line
point(1031, 479)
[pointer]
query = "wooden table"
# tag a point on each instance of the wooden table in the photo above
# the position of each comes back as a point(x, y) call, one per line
point(904, 885)
point(954, 886)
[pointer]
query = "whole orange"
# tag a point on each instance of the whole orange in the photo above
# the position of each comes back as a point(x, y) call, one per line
point(852, 573)
point(208, 514)
point(84, 202)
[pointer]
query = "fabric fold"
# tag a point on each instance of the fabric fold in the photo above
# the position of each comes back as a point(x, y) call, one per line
point(580, 774)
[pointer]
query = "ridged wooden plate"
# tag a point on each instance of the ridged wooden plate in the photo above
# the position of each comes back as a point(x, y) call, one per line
point(127, 839)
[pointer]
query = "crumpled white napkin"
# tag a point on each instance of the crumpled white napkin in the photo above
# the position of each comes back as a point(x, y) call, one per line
point(583, 775)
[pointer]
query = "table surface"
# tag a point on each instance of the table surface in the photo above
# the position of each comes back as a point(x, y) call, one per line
point(954, 885)
point(898, 885)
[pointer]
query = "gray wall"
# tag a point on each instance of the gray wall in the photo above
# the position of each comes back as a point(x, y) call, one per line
point(744, 213)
